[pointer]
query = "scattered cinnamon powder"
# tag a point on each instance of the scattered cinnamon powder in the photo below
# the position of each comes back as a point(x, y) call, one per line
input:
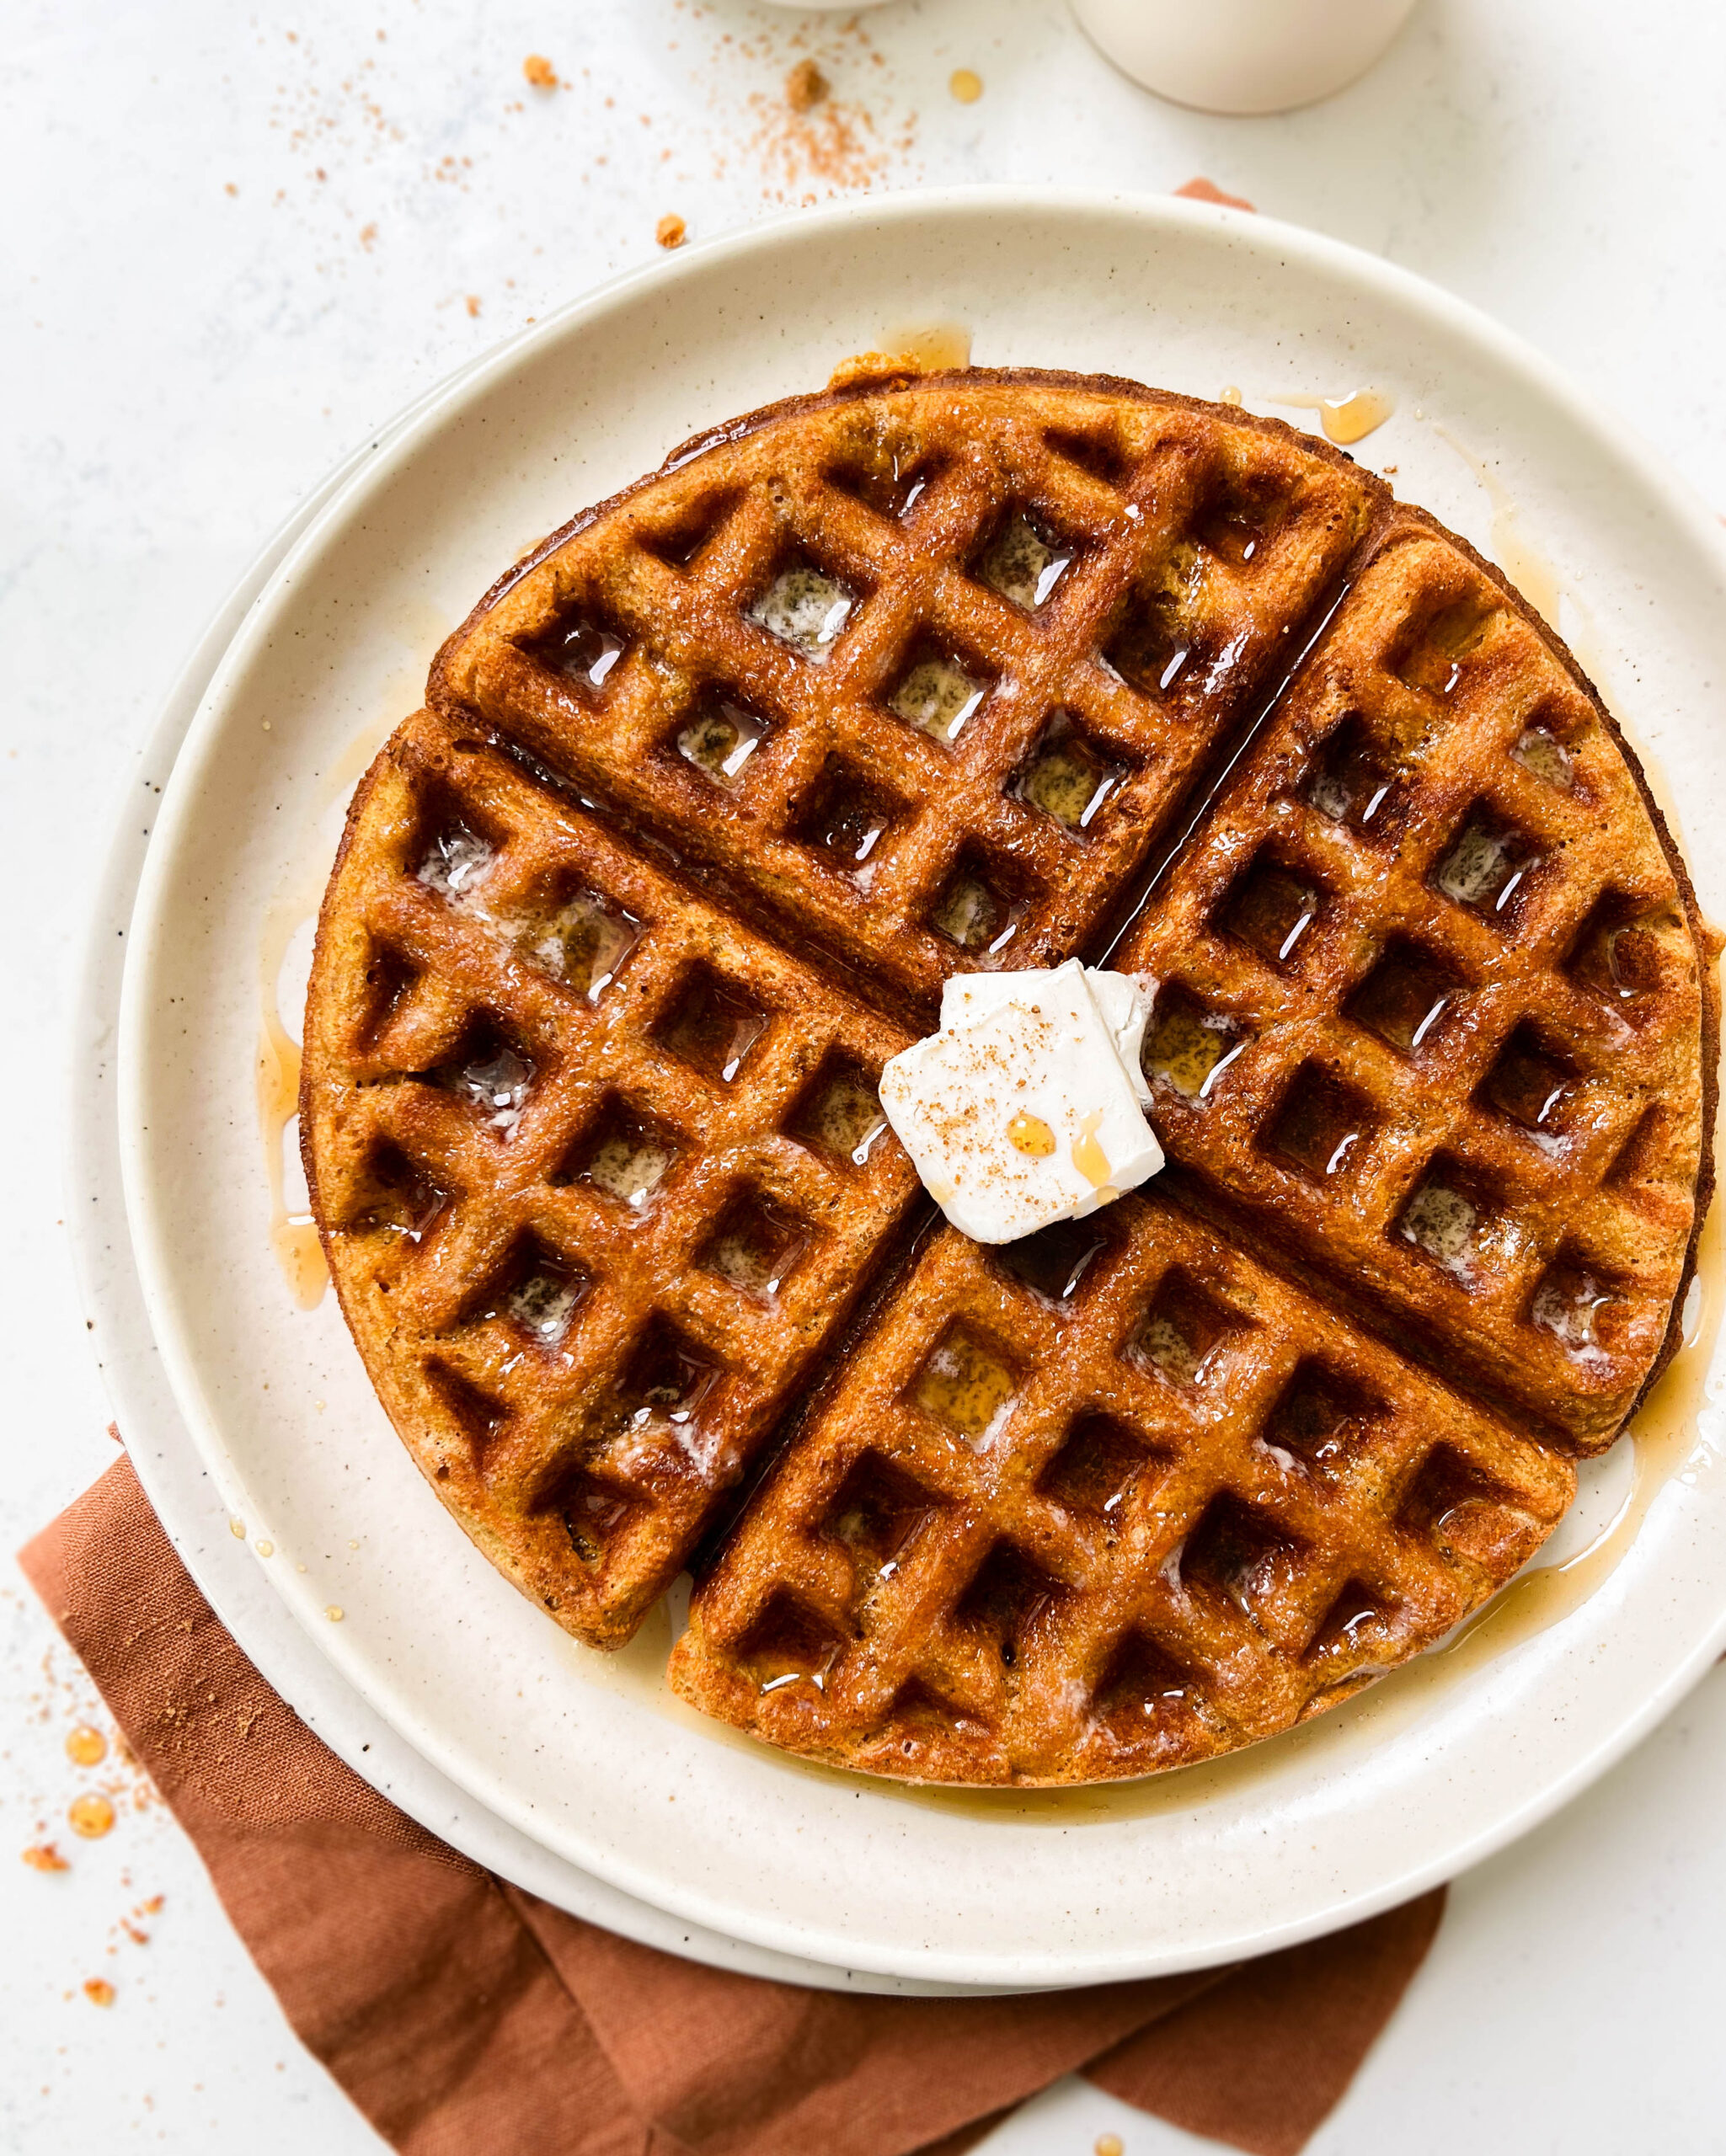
point(805, 150)
point(670, 231)
point(43, 1856)
point(228, 187)
point(837, 145)
point(540, 71)
point(1200, 190)
point(472, 303)
point(99, 1990)
point(805, 86)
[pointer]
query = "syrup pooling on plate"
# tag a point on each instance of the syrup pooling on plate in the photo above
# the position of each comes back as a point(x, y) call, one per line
point(293, 1232)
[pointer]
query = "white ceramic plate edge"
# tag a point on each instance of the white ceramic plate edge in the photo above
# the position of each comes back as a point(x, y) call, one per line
point(1544, 382)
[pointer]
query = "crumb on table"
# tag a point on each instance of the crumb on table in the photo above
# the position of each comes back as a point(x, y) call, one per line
point(540, 71)
point(670, 230)
point(1200, 190)
point(805, 86)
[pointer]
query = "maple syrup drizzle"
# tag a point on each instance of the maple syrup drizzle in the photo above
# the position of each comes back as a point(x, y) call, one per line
point(1527, 568)
point(637, 1669)
point(293, 1237)
point(1535, 576)
point(1088, 1156)
point(1031, 1134)
point(1663, 1435)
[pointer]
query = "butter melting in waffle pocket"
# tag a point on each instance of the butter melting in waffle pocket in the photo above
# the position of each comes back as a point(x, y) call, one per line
point(712, 797)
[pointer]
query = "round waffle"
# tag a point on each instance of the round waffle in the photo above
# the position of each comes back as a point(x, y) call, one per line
point(711, 794)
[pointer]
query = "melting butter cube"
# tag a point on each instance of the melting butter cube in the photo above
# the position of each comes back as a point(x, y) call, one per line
point(1025, 1108)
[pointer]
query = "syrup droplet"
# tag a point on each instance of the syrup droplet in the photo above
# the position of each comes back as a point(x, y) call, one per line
point(1346, 419)
point(90, 1814)
point(86, 1747)
point(335, 1613)
point(237, 1528)
point(1089, 1156)
point(266, 1548)
point(965, 84)
point(1029, 1133)
point(1352, 417)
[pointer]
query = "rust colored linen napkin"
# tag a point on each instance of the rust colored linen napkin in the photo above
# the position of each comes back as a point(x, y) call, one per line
point(465, 2017)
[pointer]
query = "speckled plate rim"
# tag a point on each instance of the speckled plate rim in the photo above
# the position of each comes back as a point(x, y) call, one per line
point(1669, 1587)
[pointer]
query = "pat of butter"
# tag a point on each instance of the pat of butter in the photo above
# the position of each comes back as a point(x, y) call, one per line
point(1025, 1108)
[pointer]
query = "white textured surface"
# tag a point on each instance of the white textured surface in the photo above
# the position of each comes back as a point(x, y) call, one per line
point(188, 362)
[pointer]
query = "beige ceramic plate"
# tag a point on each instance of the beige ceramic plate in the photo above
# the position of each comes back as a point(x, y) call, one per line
point(1346, 1816)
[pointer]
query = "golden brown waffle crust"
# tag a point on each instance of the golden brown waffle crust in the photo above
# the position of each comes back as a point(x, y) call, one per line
point(1391, 522)
point(859, 390)
point(1707, 938)
point(506, 1453)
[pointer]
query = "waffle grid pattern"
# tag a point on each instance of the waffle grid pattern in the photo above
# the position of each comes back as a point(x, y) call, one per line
point(913, 679)
point(1175, 554)
point(1062, 1537)
point(1456, 963)
point(600, 1262)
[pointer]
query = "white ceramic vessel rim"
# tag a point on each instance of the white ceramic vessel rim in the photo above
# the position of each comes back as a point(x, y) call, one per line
point(1263, 238)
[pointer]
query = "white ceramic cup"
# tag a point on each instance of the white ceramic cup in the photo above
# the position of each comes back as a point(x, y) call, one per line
point(1242, 56)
